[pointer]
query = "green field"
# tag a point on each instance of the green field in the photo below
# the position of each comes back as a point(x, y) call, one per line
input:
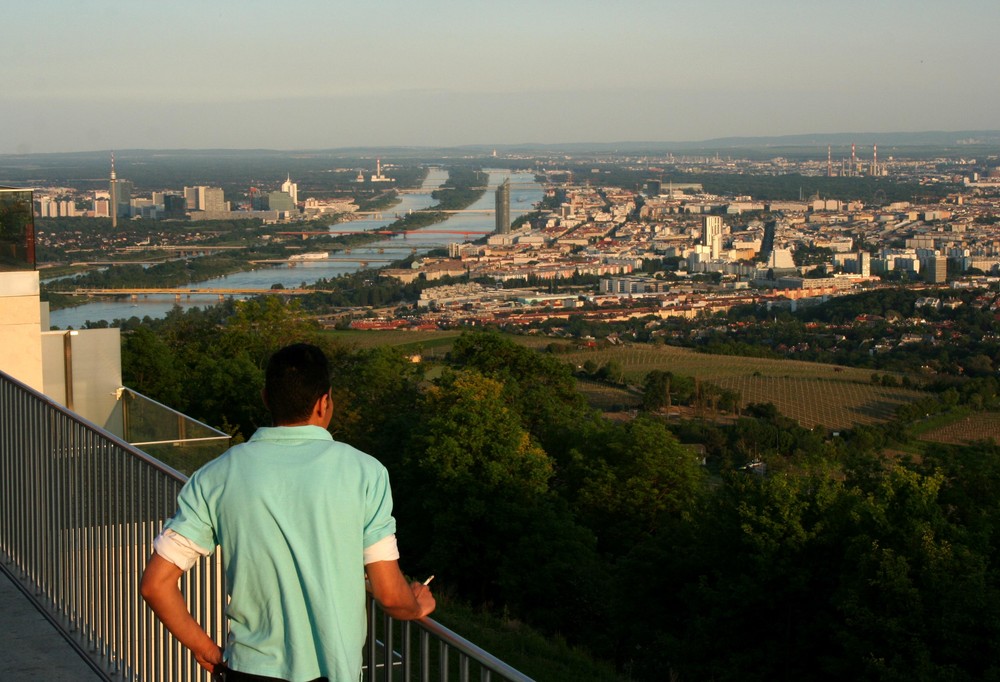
point(967, 428)
point(812, 393)
point(429, 343)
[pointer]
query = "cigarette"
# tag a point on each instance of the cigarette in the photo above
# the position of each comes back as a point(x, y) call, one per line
point(428, 581)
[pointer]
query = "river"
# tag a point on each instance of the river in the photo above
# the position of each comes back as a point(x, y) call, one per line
point(525, 194)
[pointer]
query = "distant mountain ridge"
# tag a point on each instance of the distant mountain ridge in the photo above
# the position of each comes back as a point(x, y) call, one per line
point(934, 138)
point(887, 140)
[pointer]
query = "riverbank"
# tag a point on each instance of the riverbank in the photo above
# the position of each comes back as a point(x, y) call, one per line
point(458, 227)
point(180, 273)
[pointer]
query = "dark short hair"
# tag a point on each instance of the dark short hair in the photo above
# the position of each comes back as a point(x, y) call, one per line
point(297, 376)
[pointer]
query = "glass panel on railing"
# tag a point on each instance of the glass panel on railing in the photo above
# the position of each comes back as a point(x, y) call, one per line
point(168, 435)
point(17, 230)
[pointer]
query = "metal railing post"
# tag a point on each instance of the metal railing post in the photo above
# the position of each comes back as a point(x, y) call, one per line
point(79, 508)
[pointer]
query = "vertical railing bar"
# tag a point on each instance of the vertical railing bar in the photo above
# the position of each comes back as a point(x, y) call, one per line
point(387, 646)
point(56, 500)
point(371, 642)
point(443, 662)
point(115, 572)
point(84, 549)
point(125, 581)
point(78, 512)
point(425, 656)
point(100, 536)
point(407, 650)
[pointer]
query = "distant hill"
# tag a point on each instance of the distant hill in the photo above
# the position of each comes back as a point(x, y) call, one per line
point(932, 138)
point(939, 139)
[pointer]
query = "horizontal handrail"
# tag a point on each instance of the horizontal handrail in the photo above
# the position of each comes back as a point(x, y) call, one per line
point(79, 508)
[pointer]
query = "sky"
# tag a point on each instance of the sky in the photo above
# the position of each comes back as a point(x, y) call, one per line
point(80, 75)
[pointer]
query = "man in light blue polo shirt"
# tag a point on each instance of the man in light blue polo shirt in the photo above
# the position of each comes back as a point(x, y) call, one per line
point(301, 519)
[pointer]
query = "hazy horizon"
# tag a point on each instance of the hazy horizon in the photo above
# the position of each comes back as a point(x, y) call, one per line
point(316, 75)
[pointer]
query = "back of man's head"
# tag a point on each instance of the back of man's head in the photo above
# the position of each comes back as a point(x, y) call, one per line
point(297, 376)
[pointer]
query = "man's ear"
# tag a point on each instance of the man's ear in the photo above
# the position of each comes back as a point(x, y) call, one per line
point(263, 397)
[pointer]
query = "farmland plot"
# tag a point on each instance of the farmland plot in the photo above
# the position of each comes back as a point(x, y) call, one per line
point(814, 394)
point(830, 403)
point(975, 427)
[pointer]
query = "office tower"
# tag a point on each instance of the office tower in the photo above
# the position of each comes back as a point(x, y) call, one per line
point(503, 207)
point(101, 209)
point(711, 234)
point(864, 263)
point(291, 189)
point(121, 196)
point(174, 207)
point(212, 199)
point(936, 269)
point(191, 199)
point(280, 201)
point(45, 207)
point(767, 244)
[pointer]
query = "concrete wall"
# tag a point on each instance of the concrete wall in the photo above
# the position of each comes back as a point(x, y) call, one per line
point(97, 373)
point(20, 327)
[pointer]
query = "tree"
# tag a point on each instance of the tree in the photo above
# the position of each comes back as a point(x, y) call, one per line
point(632, 477)
point(656, 390)
point(486, 472)
point(151, 368)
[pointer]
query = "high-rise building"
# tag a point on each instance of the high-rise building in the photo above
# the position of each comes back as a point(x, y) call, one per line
point(280, 201)
point(174, 207)
point(102, 201)
point(291, 189)
point(204, 198)
point(191, 199)
point(212, 199)
point(503, 207)
point(121, 196)
point(936, 269)
point(864, 263)
point(767, 243)
point(711, 234)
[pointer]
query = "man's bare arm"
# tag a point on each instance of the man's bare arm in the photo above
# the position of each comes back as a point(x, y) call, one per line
point(160, 590)
point(400, 600)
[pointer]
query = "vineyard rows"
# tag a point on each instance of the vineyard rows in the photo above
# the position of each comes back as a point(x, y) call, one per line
point(975, 427)
point(814, 394)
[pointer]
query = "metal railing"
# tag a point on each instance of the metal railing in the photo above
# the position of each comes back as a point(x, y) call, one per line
point(79, 509)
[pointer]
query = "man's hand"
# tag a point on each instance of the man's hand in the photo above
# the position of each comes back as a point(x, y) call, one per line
point(425, 600)
point(160, 590)
point(210, 659)
point(394, 595)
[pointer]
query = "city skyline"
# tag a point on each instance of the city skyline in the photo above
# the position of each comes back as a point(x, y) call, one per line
point(309, 75)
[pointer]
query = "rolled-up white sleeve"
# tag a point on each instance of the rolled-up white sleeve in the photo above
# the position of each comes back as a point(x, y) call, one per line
point(178, 550)
point(383, 550)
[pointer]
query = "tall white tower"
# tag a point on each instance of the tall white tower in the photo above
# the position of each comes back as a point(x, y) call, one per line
point(711, 234)
point(114, 194)
point(291, 189)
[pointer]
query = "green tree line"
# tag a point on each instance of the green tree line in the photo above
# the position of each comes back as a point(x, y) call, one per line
point(838, 563)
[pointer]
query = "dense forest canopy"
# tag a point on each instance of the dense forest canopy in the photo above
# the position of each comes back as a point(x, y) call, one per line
point(838, 563)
